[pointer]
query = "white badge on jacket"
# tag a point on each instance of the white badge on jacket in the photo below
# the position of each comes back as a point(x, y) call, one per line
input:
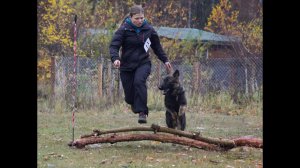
point(147, 44)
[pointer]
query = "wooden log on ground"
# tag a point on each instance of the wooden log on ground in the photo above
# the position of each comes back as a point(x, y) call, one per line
point(80, 143)
point(249, 141)
point(225, 143)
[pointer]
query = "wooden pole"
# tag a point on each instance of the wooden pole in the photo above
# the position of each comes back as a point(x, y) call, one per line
point(195, 77)
point(100, 80)
point(109, 87)
point(52, 92)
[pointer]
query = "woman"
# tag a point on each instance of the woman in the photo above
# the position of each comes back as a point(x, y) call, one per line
point(136, 36)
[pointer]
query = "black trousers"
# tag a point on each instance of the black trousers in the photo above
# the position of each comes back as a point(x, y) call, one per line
point(135, 88)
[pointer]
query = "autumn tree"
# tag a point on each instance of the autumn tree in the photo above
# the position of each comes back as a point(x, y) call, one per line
point(175, 14)
point(224, 20)
point(55, 26)
point(54, 33)
point(248, 42)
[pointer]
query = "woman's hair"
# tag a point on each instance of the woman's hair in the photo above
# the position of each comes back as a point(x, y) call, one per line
point(136, 9)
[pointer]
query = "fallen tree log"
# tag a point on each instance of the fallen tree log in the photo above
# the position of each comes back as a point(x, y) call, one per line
point(80, 143)
point(248, 141)
point(220, 142)
point(225, 143)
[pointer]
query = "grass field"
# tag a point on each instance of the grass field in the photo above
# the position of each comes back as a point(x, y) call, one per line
point(55, 132)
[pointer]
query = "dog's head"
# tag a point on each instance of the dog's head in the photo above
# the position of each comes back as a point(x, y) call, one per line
point(170, 82)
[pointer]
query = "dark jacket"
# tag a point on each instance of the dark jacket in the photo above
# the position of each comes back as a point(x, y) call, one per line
point(133, 53)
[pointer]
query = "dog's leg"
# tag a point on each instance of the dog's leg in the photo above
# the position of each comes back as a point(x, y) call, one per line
point(175, 120)
point(182, 110)
point(181, 118)
point(171, 118)
point(178, 123)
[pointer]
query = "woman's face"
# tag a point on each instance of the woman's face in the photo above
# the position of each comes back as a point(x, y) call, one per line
point(137, 19)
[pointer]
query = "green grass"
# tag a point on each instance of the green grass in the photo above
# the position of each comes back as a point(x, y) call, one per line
point(55, 132)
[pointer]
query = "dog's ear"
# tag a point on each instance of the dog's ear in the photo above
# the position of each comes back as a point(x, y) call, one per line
point(176, 74)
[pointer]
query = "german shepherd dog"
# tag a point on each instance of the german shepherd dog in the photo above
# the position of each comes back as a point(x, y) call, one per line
point(175, 101)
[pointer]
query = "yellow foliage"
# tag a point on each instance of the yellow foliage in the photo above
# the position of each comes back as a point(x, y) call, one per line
point(252, 40)
point(53, 2)
point(224, 20)
point(44, 69)
point(221, 16)
point(54, 25)
point(48, 75)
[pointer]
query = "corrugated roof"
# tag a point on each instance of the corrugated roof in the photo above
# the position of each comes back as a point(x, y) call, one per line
point(182, 33)
point(191, 33)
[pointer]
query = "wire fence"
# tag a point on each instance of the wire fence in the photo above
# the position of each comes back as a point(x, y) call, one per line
point(99, 85)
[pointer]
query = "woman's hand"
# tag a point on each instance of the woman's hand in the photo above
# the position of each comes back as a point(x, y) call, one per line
point(117, 64)
point(168, 67)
